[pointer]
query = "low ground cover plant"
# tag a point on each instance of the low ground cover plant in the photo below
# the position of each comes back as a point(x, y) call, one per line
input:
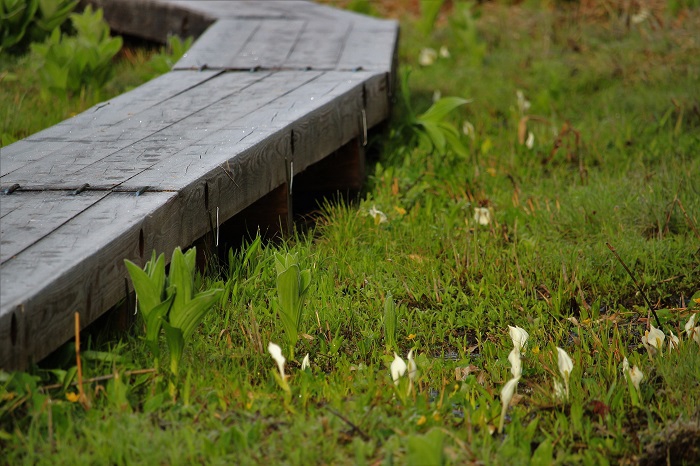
point(469, 308)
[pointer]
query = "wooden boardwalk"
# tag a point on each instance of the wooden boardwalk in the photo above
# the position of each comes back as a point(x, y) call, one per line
point(269, 91)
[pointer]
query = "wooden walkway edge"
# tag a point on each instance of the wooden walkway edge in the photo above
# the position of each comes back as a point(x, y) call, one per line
point(269, 91)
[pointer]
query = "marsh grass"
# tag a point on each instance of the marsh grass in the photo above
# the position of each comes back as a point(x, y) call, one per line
point(541, 263)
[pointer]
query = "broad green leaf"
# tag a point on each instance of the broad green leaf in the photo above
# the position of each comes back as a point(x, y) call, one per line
point(176, 346)
point(181, 278)
point(454, 141)
point(435, 135)
point(426, 449)
point(289, 295)
point(429, 10)
point(543, 455)
point(156, 270)
point(191, 314)
point(154, 320)
point(147, 292)
point(440, 109)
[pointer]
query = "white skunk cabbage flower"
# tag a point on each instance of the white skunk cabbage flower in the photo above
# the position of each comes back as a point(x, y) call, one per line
point(530, 142)
point(468, 129)
point(673, 341)
point(523, 103)
point(636, 376)
point(444, 52)
point(276, 353)
point(691, 330)
point(398, 368)
point(653, 340)
point(507, 393)
point(377, 215)
point(625, 365)
point(482, 215)
point(427, 56)
point(519, 337)
point(305, 363)
point(634, 373)
point(412, 366)
point(566, 365)
point(516, 367)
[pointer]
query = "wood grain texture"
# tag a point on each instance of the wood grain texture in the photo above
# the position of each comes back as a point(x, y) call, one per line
point(219, 45)
point(27, 217)
point(288, 35)
point(370, 46)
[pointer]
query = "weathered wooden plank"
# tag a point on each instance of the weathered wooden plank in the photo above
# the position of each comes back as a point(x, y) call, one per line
point(134, 135)
point(370, 46)
point(219, 45)
point(269, 46)
point(28, 217)
point(319, 46)
point(125, 106)
point(20, 153)
point(269, 120)
point(163, 150)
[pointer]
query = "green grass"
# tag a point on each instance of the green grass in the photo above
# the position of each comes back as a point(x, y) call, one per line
point(542, 264)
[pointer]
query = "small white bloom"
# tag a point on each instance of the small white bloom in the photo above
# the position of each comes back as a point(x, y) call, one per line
point(427, 56)
point(468, 129)
point(530, 142)
point(482, 215)
point(437, 95)
point(305, 364)
point(523, 104)
point(519, 337)
point(653, 340)
point(625, 365)
point(636, 376)
point(412, 366)
point(377, 215)
point(673, 341)
point(691, 330)
point(516, 367)
point(276, 353)
point(566, 365)
point(444, 52)
point(507, 393)
point(398, 368)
